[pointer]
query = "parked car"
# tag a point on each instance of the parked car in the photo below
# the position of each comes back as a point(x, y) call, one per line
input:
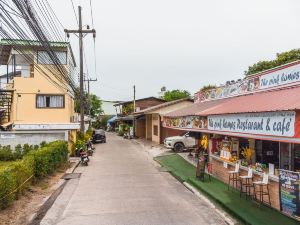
point(99, 136)
point(179, 143)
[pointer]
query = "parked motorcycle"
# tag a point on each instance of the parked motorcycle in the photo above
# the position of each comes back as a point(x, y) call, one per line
point(90, 148)
point(84, 157)
point(127, 136)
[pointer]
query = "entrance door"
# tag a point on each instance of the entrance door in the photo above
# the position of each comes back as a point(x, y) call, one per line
point(285, 155)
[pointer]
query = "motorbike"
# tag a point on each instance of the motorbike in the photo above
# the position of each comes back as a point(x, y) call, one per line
point(127, 136)
point(90, 148)
point(84, 157)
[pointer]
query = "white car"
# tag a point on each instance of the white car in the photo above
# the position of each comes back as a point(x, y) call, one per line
point(179, 143)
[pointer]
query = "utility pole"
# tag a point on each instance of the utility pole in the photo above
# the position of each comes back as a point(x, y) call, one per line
point(133, 98)
point(80, 33)
point(88, 81)
point(134, 109)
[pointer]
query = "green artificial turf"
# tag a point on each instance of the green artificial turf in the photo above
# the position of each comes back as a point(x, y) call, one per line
point(247, 211)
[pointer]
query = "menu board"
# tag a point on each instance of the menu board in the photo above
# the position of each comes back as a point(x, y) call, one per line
point(289, 193)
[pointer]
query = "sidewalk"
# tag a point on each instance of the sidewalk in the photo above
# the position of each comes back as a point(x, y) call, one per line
point(247, 211)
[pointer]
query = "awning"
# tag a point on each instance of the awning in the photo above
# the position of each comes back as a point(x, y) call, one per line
point(269, 101)
point(241, 135)
point(112, 120)
point(125, 118)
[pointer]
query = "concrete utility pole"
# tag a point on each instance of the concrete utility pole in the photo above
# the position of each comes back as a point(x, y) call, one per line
point(133, 98)
point(88, 81)
point(134, 110)
point(80, 33)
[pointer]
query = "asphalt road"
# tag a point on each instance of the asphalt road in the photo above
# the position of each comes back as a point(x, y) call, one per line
point(123, 186)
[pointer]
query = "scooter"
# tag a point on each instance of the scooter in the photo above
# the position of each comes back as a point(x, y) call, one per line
point(84, 157)
point(90, 148)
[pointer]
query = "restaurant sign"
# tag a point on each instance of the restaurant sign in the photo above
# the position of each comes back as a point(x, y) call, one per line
point(276, 78)
point(289, 193)
point(280, 77)
point(268, 123)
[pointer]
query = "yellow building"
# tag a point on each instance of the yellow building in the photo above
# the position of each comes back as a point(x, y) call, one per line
point(38, 94)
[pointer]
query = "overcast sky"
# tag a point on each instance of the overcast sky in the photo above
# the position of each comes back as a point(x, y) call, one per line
point(180, 44)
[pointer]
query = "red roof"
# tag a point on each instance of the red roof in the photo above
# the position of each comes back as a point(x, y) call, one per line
point(275, 100)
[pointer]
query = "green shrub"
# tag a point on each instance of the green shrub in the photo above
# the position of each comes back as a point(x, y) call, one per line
point(121, 133)
point(48, 158)
point(36, 164)
point(7, 154)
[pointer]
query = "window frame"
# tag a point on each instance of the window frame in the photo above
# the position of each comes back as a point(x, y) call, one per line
point(36, 101)
point(37, 58)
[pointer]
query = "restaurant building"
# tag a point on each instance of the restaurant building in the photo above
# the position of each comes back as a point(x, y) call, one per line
point(254, 122)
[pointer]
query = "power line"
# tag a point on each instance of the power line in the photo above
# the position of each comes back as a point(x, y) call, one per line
point(80, 33)
point(74, 10)
point(92, 13)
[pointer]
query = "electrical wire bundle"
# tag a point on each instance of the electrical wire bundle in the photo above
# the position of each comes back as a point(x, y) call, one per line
point(35, 24)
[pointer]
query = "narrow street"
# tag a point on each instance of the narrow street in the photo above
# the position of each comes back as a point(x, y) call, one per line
point(123, 185)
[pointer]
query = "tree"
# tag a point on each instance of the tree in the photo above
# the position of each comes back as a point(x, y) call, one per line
point(92, 105)
point(175, 95)
point(208, 87)
point(95, 106)
point(281, 58)
point(102, 123)
point(127, 109)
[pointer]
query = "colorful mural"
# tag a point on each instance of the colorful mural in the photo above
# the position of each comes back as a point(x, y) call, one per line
point(194, 122)
point(285, 76)
point(237, 88)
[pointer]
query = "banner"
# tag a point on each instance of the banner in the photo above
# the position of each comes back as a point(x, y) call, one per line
point(289, 193)
point(194, 122)
point(237, 88)
point(269, 123)
point(277, 78)
point(280, 77)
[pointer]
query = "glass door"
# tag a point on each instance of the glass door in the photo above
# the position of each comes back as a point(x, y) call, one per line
point(285, 156)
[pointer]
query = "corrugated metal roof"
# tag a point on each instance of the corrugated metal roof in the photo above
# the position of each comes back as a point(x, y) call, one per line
point(196, 108)
point(276, 100)
point(166, 104)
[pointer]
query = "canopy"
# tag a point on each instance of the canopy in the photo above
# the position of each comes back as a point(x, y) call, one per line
point(112, 120)
point(269, 101)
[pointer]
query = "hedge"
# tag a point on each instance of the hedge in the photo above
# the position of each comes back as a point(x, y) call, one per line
point(18, 175)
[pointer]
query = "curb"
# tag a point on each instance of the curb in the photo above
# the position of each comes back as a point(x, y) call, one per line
point(37, 217)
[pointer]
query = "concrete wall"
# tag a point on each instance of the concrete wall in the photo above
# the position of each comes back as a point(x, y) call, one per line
point(14, 138)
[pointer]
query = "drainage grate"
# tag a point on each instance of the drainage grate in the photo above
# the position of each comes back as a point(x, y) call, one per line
point(69, 176)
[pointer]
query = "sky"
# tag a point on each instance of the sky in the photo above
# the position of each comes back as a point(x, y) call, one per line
point(180, 44)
